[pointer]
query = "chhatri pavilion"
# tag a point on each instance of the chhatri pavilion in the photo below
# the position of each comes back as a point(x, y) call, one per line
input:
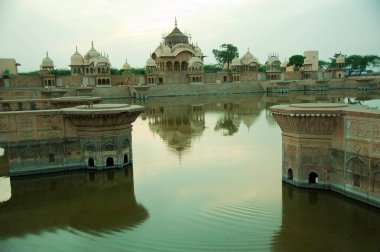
point(175, 60)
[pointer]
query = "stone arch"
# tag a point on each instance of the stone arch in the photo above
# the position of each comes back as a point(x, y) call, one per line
point(109, 146)
point(110, 162)
point(184, 65)
point(91, 162)
point(177, 66)
point(290, 174)
point(126, 159)
point(169, 66)
point(90, 147)
point(313, 178)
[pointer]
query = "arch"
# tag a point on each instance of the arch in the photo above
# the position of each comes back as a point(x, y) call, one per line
point(91, 162)
point(99, 81)
point(313, 178)
point(103, 81)
point(290, 174)
point(126, 160)
point(108, 81)
point(184, 66)
point(169, 66)
point(176, 66)
point(91, 70)
point(109, 147)
point(109, 162)
point(90, 147)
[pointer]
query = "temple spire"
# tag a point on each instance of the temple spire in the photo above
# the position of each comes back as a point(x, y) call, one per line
point(47, 54)
point(175, 21)
point(92, 43)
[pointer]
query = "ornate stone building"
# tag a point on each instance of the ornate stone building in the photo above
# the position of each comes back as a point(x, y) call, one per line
point(175, 60)
point(340, 64)
point(273, 67)
point(245, 68)
point(93, 65)
point(47, 72)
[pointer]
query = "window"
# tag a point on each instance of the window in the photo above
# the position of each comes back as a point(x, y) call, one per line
point(51, 158)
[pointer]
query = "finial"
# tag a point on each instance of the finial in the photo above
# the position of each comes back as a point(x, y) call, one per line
point(175, 21)
point(76, 48)
point(47, 54)
point(92, 43)
point(248, 48)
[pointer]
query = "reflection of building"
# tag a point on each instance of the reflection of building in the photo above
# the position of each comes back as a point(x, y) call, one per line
point(175, 60)
point(307, 214)
point(177, 125)
point(92, 202)
point(83, 137)
point(331, 146)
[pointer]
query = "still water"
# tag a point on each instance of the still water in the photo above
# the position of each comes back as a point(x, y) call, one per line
point(206, 176)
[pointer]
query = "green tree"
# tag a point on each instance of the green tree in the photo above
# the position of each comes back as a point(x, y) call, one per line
point(323, 64)
point(211, 68)
point(62, 72)
point(362, 62)
point(226, 54)
point(262, 68)
point(296, 60)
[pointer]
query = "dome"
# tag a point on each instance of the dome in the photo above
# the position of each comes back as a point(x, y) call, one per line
point(235, 62)
point(340, 59)
point(150, 63)
point(273, 59)
point(195, 60)
point(166, 51)
point(247, 58)
point(77, 58)
point(126, 66)
point(285, 63)
point(102, 59)
point(47, 62)
point(92, 52)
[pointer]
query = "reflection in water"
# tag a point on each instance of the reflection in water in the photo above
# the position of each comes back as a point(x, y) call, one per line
point(93, 202)
point(322, 221)
point(177, 125)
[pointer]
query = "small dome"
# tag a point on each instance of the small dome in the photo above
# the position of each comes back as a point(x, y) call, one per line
point(235, 62)
point(47, 62)
point(195, 60)
point(198, 51)
point(285, 63)
point(126, 66)
point(340, 59)
point(102, 59)
point(77, 58)
point(150, 63)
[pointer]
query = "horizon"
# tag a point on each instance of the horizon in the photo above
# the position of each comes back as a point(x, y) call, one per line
point(133, 30)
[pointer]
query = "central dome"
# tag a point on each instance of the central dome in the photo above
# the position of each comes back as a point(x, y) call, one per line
point(176, 37)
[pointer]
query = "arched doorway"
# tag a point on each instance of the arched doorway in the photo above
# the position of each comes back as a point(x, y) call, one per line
point(91, 162)
point(290, 174)
point(109, 162)
point(125, 159)
point(313, 178)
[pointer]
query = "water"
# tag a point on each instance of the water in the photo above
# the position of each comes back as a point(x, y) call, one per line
point(206, 176)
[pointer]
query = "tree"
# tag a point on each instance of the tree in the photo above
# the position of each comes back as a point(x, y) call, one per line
point(62, 72)
point(227, 53)
point(211, 68)
point(296, 60)
point(362, 62)
point(323, 64)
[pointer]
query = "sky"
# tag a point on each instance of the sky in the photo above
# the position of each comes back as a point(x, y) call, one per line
point(126, 29)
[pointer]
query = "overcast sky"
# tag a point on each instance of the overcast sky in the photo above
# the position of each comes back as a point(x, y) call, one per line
point(133, 29)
